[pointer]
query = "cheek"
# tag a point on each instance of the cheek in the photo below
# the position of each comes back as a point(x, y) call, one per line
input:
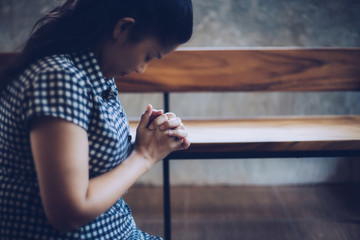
point(128, 62)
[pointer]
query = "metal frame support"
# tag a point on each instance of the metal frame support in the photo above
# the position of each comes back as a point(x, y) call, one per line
point(166, 183)
point(167, 200)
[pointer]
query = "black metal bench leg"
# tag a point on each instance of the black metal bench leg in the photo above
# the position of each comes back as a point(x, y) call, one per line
point(167, 204)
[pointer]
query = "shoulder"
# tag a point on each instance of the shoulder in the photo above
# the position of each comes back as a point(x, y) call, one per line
point(53, 70)
point(57, 67)
point(54, 86)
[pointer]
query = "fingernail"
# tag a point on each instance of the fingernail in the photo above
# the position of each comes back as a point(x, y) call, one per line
point(151, 127)
point(170, 132)
point(149, 107)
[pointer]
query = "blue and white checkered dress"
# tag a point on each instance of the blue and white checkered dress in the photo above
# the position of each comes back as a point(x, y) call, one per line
point(73, 88)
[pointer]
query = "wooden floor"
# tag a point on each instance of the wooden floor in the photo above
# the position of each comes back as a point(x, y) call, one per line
point(330, 212)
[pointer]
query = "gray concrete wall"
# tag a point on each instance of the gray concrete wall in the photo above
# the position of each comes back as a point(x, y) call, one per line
point(241, 23)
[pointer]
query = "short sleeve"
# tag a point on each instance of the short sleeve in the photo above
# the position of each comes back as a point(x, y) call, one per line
point(58, 93)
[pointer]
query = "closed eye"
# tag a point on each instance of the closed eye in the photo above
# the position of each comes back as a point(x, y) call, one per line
point(147, 59)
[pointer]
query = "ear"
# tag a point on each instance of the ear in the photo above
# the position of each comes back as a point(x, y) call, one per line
point(122, 27)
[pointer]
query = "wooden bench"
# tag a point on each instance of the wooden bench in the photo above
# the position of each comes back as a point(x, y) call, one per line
point(240, 70)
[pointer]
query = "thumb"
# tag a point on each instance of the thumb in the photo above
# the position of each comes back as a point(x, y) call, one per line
point(145, 117)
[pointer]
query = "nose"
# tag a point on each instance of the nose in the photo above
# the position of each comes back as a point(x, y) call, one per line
point(141, 69)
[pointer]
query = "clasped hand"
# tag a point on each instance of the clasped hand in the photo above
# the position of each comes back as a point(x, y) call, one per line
point(159, 134)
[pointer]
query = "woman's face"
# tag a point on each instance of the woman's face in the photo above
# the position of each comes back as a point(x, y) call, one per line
point(124, 57)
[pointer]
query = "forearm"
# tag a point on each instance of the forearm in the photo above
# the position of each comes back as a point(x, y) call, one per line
point(103, 191)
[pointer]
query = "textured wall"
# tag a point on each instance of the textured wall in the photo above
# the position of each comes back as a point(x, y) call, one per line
point(241, 23)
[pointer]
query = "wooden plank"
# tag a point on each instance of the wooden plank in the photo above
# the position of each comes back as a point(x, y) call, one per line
point(327, 133)
point(327, 69)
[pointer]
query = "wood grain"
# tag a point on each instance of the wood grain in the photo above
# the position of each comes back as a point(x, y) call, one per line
point(251, 212)
point(340, 133)
point(250, 70)
point(326, 69)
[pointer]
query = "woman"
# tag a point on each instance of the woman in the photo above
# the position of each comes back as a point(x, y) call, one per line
point(66, 158)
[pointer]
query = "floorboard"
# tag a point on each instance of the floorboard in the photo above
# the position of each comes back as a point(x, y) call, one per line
point(304, 212)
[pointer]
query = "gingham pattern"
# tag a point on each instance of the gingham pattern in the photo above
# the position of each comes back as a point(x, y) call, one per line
point(70, 87)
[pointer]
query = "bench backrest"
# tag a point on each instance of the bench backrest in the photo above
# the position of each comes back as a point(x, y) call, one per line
point(326, 69)
point(282, 69)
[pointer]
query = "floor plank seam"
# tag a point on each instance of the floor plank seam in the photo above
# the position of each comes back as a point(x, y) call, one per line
point(287, 214)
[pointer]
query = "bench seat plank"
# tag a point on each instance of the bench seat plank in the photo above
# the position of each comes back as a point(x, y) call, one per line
point(317, 133)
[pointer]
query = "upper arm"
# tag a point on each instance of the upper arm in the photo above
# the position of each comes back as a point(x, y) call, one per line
point(60, 152)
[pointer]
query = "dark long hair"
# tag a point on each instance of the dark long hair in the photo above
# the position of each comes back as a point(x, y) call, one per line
point(82, 24)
